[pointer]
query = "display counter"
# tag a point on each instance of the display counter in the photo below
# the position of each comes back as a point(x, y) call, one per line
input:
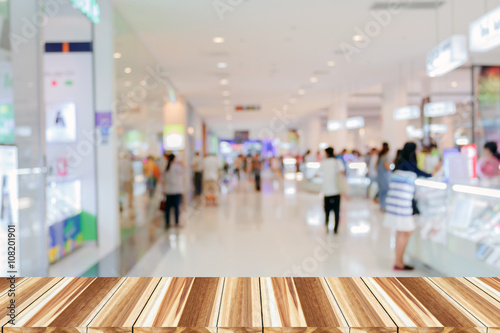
point(458, 229)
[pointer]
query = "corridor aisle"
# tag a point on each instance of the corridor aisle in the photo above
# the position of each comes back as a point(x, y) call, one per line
point(278, 232)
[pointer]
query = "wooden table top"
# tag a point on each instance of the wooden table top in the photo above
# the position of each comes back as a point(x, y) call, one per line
point(241, 305)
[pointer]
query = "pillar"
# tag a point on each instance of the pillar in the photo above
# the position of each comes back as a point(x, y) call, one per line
point(395, 95)
point(339, 111)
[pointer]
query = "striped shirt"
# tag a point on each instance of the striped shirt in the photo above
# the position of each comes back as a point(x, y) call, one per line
point(399, 200)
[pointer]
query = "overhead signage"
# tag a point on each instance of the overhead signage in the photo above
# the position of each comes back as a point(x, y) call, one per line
point(447, 56)
point(355, 122)
point(436, 128)
point(407, 112)
point(439, 109)
point(414, 133)
point(335, 125)
point(247, 107)
point(90, 8)
point(484, 33)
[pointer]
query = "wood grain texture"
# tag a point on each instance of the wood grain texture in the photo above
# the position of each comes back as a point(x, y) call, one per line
point(300, 305)
point(240, 309)
point(182, 305)
point(5, 284)
point(47, 305)
point(125, 306)
point(473, 299)
point(360, 308)
point(489, 285)
point(452, 316)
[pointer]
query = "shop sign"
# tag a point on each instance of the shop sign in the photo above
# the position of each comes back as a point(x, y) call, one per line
point(436, 128)
point(174, 137)
point(90, 8)
point(335, 125)
point(484, 33)
point(414, 133)
point(407, 112)
point(355, 122)
point(447, 56)
point(439, 109)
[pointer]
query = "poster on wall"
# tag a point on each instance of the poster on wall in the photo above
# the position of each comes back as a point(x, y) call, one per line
point(9, 218)
point(489, 103)
point(60, 123)
point(65, 237)
point(174, 137)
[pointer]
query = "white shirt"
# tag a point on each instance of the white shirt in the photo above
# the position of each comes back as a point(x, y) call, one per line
point(197, 164)
point(211, 165)
point(330, 168)
point(173, 179)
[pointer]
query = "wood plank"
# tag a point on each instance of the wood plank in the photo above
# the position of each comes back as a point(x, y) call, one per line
point(489, 285)
point(360, 308)
point(445, 309)
point(12, 291)
point(240, 309)
point(182, 304)
point(49, 304)
point(300, 305)
point(403, 307)
point(473, 299)
point(125, 306)
point(5, 284)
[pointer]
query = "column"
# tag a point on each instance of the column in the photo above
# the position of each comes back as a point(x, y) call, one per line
point(30, 136)
point(395, 95)
point(108, 218)
point(339, 111)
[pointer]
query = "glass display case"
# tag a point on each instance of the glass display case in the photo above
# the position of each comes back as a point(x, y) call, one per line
point(458, 229)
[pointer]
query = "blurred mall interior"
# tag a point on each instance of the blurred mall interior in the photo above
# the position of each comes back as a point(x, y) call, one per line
point(105, 104)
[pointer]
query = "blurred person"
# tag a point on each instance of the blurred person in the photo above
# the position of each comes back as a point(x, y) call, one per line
point(197, 166)
point(318, 156)
point(248, 166)
point(488, 166)
point(383, 174)
point(371, 164)
point(211, 170)
point(238, 165)
point(152, 173)
point(342, 158)
point(331, 168)
point(308, 157)
point(173, 188)
point(401, 205)
point(275, 165)
point(256, 170)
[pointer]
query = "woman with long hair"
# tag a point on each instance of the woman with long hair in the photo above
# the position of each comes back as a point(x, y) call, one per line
point(488, 166)
point(383, 173)
point(401, 206)
point(173, 188)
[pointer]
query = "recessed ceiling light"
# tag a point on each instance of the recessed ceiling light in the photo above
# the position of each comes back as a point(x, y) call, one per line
point(331, 63)
point(301, 92)
point(454, 84)
point(128, 70)
point(358, 38)
point(225, 93)
point(117, 55)
point(227, 102)
point(224, 82)
point(219, 40)
point(313, 79)
point(222, 65)
point(229, 117)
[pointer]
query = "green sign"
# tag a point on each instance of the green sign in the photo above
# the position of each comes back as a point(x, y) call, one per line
point(90, 8)
point(6, 124)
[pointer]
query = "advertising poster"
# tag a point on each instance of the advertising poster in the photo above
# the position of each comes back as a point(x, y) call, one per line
point(7, 125)
point(8, 200)
point(65, 237)
point(61, 123)
point(174, 137)
point(489, 103)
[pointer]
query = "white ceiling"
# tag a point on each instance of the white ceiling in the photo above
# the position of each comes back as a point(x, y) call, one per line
point(273, 47)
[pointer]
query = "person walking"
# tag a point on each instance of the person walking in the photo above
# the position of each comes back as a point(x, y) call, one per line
point(256, 170)
point(383, 174)
point(401, 205)
point(197, 166)
point(152, 173)
point(331, 169)
point(211, 169)
point(371, 163)
point(173, 188)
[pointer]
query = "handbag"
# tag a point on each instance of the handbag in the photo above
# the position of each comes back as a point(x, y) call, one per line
point(163, 205)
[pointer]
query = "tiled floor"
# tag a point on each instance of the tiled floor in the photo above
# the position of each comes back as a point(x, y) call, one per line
point(278, 232)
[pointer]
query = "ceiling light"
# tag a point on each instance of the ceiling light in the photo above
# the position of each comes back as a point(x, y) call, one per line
point(331, 63)
point(301, 92)
point(454, 84)
point(225, 93)
point(128, 70)
point(222, 65)
point(358, 38)
point(219, 40)
point(224, 82)
point(117, 55)
point(227, 102)
point(313, 79)
point(229, 117)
